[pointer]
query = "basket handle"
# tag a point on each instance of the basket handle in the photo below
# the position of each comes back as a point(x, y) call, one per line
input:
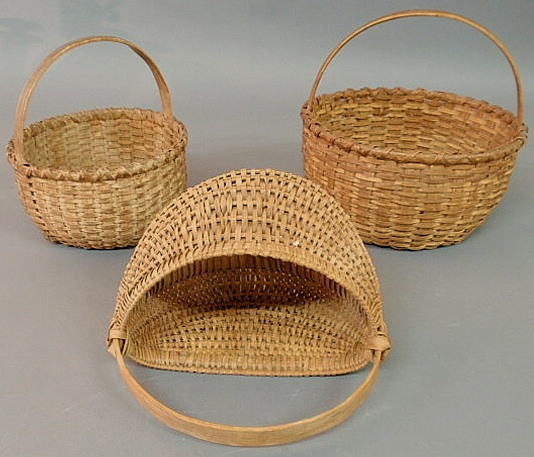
point(22, 106)
point(427, 13)
point(252, 436)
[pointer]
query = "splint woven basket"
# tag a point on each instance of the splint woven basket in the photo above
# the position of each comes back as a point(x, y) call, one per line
point(94, 179)
point(254, 272)
point(416, 169)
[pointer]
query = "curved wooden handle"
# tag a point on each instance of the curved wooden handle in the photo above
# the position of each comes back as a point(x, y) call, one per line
point(250, 436)
point(426, 13)
point(22, 106)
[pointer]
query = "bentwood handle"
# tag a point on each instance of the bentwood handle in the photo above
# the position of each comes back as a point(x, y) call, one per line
point(252, 436)
point(424, 13)
point(22, 106)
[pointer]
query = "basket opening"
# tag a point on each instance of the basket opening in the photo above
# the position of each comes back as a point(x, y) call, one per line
point(412, 121)
point(102, 139)
point(248, 314)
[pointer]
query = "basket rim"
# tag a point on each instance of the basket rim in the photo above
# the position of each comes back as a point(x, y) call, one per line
point(428, 158)
point(101, 173)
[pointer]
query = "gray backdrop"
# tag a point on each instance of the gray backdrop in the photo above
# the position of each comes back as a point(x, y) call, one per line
point(459, 378)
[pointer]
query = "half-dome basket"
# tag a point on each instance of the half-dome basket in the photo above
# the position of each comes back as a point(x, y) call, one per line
point(254, 272)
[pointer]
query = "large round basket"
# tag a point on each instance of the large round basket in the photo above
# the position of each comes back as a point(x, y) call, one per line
point(95, 179)
point(416, 169)
point(254, 272)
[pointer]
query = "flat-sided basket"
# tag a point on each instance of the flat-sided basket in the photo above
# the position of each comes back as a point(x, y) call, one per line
point(94, 179)
point(254, 272)
point(416, 169)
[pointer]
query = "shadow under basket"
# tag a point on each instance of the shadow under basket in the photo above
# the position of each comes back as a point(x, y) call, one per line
point(416, 169)
point(96, 178)
point(255, 272)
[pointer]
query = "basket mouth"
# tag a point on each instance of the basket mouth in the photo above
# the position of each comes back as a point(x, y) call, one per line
point(248, 314)
point(99, 144)
point(417, 126)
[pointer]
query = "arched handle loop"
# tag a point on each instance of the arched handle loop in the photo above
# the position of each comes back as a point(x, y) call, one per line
point(248, 436)
point(27, 91)
point(424, 13)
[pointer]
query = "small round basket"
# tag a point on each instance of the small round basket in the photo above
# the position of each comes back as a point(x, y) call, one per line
point(254, 272)
point(416, 169)
point(95, 179)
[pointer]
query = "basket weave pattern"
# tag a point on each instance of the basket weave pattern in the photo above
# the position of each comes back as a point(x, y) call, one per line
point(416, 169)
point(250, 273)
point(96, 178)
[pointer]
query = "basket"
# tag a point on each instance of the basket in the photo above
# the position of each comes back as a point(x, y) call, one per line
point(416, 169)
point(254, 272)
point(94, 179)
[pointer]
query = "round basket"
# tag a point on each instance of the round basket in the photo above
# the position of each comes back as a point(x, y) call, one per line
point(94, 179)
point(416, 169)
point(254, 272)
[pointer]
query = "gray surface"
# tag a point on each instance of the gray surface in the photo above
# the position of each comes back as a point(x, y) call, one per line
point(459, 379)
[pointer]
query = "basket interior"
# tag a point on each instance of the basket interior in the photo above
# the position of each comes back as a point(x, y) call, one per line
point(248, 315)
point(415, 121)
point(94, 140)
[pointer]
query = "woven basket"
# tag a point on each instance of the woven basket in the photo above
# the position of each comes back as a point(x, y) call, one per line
point(94, 179)
point(255, 272)
point(416, 169)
